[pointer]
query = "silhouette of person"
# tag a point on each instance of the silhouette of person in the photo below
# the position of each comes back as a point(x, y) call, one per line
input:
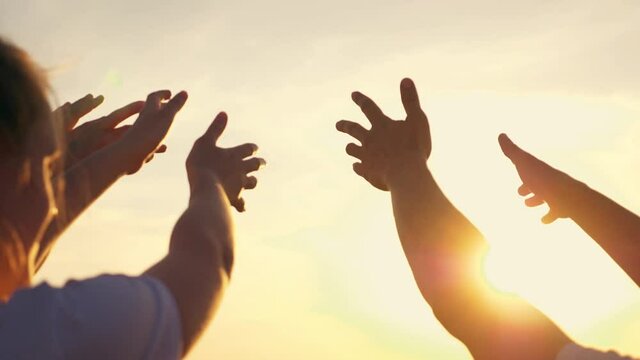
point(444, 249)
point(614, 228)
point(48, 179)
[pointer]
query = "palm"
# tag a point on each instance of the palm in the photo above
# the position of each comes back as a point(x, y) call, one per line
point(388, 142)
point(229, 165)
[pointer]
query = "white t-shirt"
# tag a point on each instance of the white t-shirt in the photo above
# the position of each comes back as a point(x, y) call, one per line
point(577, 352)
point(107, 317)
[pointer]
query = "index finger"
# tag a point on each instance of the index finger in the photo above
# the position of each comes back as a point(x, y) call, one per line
point(368, 107)
point(81, 108)
point(174, 105)
point(511, 150)
point(120, 115)
point(154, 100)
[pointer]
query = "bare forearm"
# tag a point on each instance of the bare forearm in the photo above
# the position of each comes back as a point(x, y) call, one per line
point(205, 229)
point(614, 228)
point(439, 242)
point(198, 266)
point(445, 252)
point(83, 185)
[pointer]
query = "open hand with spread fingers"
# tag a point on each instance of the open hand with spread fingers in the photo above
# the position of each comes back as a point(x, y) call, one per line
point(91, 136)
point(547, 184)
point(389, 143)
point(229, 166)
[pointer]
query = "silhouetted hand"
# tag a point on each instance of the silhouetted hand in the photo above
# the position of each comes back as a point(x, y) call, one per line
point(388, 142)
point(229, 165)
point(69, 114)
point(547, 184)
point(143, 138)
point(91, 136)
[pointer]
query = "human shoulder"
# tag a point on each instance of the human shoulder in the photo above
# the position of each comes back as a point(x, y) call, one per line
point(109, 316)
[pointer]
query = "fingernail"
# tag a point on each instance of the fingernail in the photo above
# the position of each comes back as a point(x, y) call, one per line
point(406, 83)
point(99, 99)
point(355, 96)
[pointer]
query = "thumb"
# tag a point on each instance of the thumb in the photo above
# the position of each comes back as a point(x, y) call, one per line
point(550, 217)
point(216, 128)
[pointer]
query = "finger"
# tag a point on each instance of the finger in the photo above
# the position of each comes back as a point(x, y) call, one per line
point(358, 168)
point(354, 150)
point(244, 150)
point(534, 201)
point(174, 105)
point(149, 158)
point(351, 128)
point(410, 100)
point(216, 128)
point(80, 108)
point(513, 151)
point(116, 117)
point(253, 164)
point(524, 190)
point(238, 204)
point(61, 114)
point(249, 182)
point(368, 107)
point(162, 149)
point(549, 217)
point(154, 100)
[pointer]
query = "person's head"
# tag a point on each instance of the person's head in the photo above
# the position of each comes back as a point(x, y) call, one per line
point(28, 147)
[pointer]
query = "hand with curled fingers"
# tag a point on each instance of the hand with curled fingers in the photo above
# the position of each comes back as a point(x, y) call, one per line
point(91, 136)
point(547, 184)
point(230, 166)
point(144, 137)
point(389, 143)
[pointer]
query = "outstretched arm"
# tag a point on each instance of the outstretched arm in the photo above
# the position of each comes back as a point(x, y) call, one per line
point(614, 228)
point(104, 153)
point(198, 265)
point(443, 248)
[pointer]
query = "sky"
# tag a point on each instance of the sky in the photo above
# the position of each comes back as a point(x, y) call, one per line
point(319, 269)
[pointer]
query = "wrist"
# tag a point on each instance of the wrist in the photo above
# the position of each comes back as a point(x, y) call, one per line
point(403, 169)
point(202, 179)
point(578, 194)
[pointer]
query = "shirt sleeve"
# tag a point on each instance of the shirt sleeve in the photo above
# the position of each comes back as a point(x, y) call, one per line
point(116, 317)
point(577, 352)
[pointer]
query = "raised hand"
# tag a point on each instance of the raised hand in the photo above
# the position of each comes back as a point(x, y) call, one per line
point(229, 165)
point(91, 136)
point(389, 142)
point(69, 114)
point(547, 184)
point(142, 139)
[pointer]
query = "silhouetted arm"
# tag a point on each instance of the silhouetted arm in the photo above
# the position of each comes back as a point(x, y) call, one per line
point(443, 248)
point(614, 228)
point(445, 251)
point(114, 156)
point(198, 266)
